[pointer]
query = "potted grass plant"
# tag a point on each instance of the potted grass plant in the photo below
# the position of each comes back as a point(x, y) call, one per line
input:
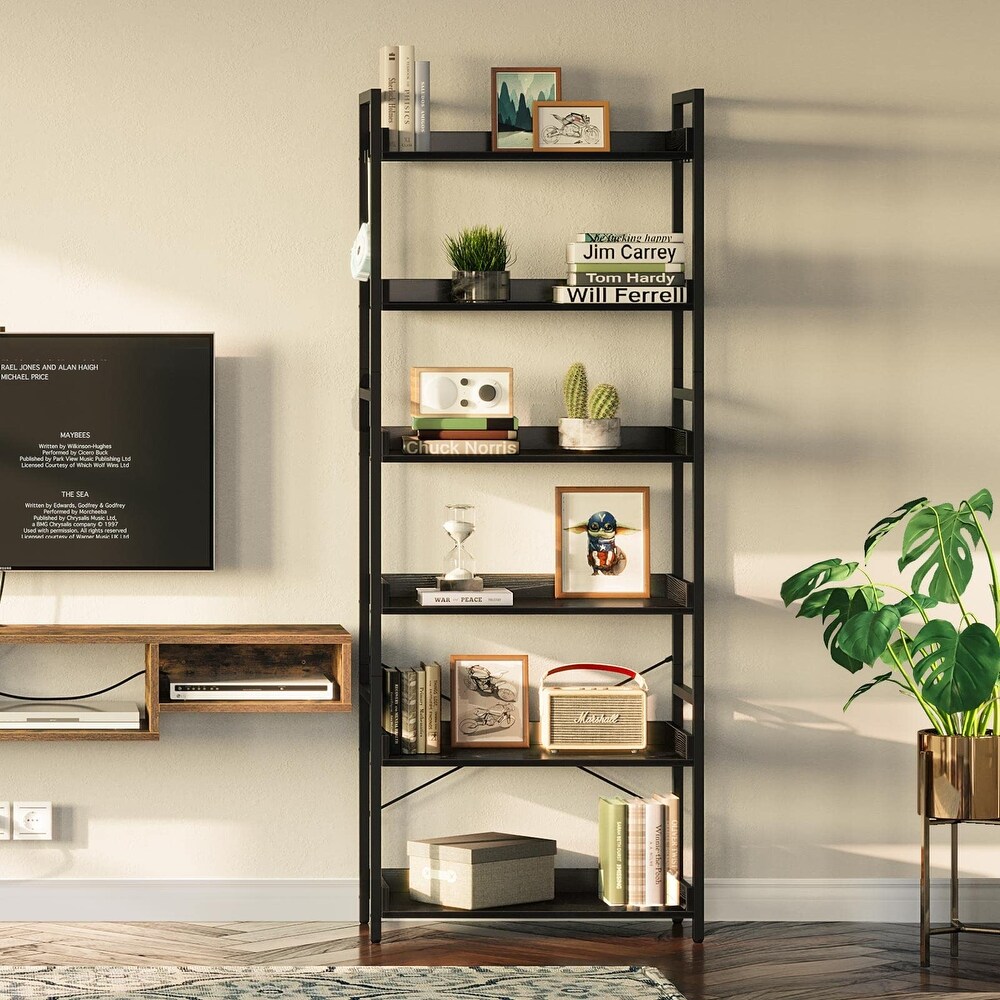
point(591, 422)
point(480, 258)
point(950, 665)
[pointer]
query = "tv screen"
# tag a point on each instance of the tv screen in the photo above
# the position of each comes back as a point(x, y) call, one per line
point(107, 451)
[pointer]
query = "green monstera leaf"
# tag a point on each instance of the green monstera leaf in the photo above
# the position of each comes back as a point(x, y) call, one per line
point(957, 671)
point(940, 540)
point(866, 635)
point(840, 608)
point(881, 528)
point(815, 604)
point(881, 679)
point(911, 605)
point(806, 581)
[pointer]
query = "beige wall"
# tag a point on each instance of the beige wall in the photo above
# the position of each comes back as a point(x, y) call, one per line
point(192, 166)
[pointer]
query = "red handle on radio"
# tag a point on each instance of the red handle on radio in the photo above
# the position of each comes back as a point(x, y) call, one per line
point(606, 667)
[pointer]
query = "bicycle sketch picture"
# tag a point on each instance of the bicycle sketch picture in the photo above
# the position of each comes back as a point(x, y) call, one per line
point(489, 700)
point(581, 126)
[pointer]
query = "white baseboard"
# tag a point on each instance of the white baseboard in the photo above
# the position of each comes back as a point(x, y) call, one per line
point(881, 900)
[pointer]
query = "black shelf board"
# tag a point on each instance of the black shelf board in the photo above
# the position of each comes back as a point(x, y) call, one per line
point(541, 444)
point(668, 747)
point(576, 899)
point(534, 595)
point(651, 147)
point(526, 294)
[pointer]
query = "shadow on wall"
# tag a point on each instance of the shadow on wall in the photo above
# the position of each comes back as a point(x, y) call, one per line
point(244, 466)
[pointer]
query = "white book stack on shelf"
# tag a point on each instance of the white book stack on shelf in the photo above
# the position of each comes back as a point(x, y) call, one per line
point(406, 98)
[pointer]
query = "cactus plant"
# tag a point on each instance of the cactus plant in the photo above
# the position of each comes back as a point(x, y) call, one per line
point(603, 402)
point(575, 391)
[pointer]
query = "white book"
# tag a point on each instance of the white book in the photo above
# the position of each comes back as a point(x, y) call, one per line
point(619, 295)
point(406, 118)
point(421, 709)
point(654, 278)
point(433, 671)
point(388, 81)
point(422, 107)
point(629, 237)
point(624, 253)
point(655, 857)
point(497, 596)
point(672, 843)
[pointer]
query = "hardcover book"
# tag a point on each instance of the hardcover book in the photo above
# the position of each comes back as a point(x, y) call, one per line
point(636, 892)
point(629, 237)
point(672, 835)
point(624, 253)
point(655, 858)
point(433, 672)
point(465, 423)
point(611, 834)
point(421, 709)
point(422, 106)
point(499, 596)
point(391, 708)
point(638, 278)
point(619, 295)
point(406, 121)
point(408, 725)
point(467, 435)
point(419, 446)
point(388, 81)
point(641, 267)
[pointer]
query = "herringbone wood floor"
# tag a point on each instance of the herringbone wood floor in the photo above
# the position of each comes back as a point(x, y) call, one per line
point(745, 961)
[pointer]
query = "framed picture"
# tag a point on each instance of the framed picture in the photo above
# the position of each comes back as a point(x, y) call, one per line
point(602, 541)
point(514, 92)
point(571, 127)
point(489, 700)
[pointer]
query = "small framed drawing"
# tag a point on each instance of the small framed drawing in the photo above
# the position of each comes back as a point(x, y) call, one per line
point(572, 127)
point(602, 541)
point(489, 700)
point(515, 90)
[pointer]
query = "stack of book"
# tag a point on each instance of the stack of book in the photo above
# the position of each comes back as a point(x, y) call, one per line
point(624, 269)
point(411, 708)
point(462, 436)
point(639, 852)
point(406, 99)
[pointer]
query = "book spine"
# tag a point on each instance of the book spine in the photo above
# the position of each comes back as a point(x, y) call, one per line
point(624, 253)
point(406, 133)
point(635, 278)
point(638, 268)
point(416, 446)
point(671, 880)
point(467, 435)
point(468, 597)
point(421, 710)
point(433, 671)
point(654, 853)
point(636, 891)
point(388, 81)
point(610, 823)
point(617, 295)
point(422, 125)
point(396, 707)
point(409, 723)
point(465, 423)
point(619, 860)
point(629, 237)
point(387, 702)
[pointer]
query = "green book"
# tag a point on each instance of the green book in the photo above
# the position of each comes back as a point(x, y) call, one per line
point(465, 423)
point(612, 832)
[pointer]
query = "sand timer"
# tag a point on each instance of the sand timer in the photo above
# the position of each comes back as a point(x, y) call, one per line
point(459, 566)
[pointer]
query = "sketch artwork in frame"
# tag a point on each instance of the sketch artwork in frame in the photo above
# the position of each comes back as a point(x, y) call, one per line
point(572, 127)
point(602, 541)
point(489, 700)
point(514, 92)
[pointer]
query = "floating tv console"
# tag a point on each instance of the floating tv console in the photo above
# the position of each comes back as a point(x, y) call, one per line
point(223, 652)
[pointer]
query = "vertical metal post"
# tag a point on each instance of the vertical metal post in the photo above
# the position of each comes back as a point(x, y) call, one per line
point(954, 889)
point(925, 870)
point(375, 507)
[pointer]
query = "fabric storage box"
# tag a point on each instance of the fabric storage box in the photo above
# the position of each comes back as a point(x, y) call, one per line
point(479, 871)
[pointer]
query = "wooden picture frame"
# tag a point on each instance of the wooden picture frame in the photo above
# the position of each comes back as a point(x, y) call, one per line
point(484, 696)
point(580, 553)
point(571, 135)
point(525, 136)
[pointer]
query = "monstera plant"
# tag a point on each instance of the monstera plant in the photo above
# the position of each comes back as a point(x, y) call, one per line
point(949, 664)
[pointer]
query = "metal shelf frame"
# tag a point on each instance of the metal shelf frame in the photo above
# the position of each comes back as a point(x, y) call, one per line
point(383, 891)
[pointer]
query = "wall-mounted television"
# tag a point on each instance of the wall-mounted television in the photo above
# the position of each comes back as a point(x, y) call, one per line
point(107, 451)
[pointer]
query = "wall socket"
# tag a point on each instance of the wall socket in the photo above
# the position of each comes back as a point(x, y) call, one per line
point(4, 821)
point(32, 820)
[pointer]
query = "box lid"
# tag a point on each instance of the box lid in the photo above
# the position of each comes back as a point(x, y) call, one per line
point(475, 848)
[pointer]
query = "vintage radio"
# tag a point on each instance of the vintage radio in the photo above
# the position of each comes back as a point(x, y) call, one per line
point(593, 717)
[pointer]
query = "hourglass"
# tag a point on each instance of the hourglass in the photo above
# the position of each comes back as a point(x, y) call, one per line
point(459, 566)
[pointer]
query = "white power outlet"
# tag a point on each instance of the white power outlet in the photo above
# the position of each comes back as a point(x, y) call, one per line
point(32, 820)
point(4, 821)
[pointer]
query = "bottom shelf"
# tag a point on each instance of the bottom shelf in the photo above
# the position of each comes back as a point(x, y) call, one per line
point(576, 899)
point(93, 735)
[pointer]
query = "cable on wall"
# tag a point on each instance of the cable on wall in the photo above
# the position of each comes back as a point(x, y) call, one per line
point(75, 697)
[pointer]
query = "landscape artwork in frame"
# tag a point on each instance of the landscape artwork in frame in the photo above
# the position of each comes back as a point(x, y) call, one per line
point(602, 541)
point(514, 91)
point(489, 700)
point(572, 127)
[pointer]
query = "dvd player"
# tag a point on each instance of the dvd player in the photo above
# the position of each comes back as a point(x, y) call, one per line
point(69, 715)
point(317, 688)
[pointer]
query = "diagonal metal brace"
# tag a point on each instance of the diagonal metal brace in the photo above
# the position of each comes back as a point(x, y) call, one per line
point(666, 659)
point(420, 788)
point(608, 781)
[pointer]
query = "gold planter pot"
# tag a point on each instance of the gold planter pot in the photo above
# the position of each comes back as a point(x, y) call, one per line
point(958, 776)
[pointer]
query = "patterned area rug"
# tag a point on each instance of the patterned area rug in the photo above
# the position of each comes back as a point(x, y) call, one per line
point(601, 982)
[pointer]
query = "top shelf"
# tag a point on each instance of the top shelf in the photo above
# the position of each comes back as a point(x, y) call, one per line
point(675, 145)
point(260, 635)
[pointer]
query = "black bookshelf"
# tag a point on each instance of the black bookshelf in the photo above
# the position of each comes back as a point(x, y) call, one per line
point(676, 743)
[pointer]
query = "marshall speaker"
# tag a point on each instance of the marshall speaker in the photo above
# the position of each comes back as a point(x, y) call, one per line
point(595, 717)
